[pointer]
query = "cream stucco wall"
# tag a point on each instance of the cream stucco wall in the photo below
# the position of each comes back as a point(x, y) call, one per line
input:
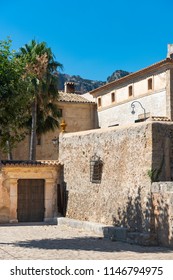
point(140, 88)
point(154, 101)
point(78, 117)
point(120, 114)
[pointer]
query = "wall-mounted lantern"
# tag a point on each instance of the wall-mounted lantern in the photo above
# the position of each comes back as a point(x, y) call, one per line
point(96, 166)
point(133, 108)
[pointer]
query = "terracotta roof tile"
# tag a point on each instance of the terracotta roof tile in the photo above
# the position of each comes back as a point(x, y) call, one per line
point(73, 97)
point(30, 163)
point(159, 119)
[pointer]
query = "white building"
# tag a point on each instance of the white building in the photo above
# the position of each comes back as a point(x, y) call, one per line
point(143, 94)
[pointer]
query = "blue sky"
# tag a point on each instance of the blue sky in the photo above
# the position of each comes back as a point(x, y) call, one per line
point(92, 38)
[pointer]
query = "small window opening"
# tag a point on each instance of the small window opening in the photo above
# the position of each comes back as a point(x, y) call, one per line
point(99, 102)
point(130, 91)
point(113, 97)
point(150, 84)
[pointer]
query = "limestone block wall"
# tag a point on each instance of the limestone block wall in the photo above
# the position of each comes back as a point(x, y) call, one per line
point(122, 197)
point(162, 194)
point(162, 152)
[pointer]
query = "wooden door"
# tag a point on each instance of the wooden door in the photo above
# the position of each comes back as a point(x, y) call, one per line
point(30, 200)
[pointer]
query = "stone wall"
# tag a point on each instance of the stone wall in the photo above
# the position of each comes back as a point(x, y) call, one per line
point(122, 196)
point(162, 194)
point(132, 158)
point(162, 152)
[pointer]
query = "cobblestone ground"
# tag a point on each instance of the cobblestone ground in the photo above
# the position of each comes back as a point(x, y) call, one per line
point(52, 242)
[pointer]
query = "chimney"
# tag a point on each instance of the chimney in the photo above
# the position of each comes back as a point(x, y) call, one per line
point(69, 87)
point(170, 51)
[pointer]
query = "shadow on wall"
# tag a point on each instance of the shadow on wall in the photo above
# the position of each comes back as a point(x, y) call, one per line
point(151, 226)
point(162, 152)
point(133, 217)
point(96, 122)
point(62, 198)
point(162, 220)
point(62, 195)
point(162, 172)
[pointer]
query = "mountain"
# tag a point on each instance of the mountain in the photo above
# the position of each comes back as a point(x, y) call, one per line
point(81, 85)
point(117, 75)
point(85, 85)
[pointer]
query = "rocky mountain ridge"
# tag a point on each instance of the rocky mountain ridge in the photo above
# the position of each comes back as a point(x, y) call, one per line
point(86, 85)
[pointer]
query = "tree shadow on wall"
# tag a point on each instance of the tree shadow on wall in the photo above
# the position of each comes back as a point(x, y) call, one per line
point(151, 217)
point(62, 194)
point(62, 198)
point(162, 221)
point(133, 217)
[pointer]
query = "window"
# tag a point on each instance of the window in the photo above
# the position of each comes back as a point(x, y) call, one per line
point(130, 91)
point(113, 97)
point(150, 84)
point(96, 165)
point(99, 102)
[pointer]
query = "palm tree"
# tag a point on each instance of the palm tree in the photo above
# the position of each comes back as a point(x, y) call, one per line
point(41, 73)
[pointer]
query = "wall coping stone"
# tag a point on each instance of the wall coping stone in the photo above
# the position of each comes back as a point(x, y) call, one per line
point(105, 130)
point(159, 187)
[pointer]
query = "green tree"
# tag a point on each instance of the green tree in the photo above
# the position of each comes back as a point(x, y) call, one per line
point(42, 78)
point(13, 98)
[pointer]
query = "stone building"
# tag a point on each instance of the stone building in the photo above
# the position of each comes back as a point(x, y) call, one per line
point(77, 112)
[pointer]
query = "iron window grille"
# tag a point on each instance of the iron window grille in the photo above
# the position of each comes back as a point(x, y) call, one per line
point(96, 166)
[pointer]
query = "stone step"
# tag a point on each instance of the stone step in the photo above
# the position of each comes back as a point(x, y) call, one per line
point(107, 231)
point(111, 232)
